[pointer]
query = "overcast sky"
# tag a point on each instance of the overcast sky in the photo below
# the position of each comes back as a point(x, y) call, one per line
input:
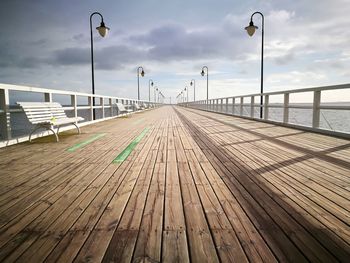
point(46, 43)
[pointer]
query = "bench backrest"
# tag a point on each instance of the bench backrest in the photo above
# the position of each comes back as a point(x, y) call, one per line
point(121, 107)
point(39, 112)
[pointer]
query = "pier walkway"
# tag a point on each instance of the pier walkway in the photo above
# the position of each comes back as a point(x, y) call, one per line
point(176, 185)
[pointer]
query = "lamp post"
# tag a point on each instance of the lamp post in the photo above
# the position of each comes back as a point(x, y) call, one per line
point(142, 73)
point(156, 92)
point(203, 73)
point(155, 89)
point(103, 30)
point(150, 83)
point(193, 83)
point(186, 88)
point(251, 30)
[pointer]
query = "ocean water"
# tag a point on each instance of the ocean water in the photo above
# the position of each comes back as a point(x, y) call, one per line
point(335, 120)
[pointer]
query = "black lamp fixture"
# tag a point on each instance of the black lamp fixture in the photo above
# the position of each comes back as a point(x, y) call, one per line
point(203, 73)
point(150, 83)
point(103, 31)
point(193, 83)
point(251, 30)
point(142, 73)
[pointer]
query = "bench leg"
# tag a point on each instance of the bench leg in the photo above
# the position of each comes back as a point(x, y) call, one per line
point(76, 125)
point(56, 134)
point(35, 129)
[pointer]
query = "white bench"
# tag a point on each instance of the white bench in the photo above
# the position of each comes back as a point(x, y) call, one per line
point(122, 109)
point(47, 115)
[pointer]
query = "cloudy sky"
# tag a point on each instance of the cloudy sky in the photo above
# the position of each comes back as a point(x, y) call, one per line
point(46, 43)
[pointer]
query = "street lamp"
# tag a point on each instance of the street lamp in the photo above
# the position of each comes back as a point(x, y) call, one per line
point(203, 73)
point(155, 92)
point(103, 30)
point(193, 83)
point(251, 30)
point(150, 83)
point(142, 73)
point(155, 89)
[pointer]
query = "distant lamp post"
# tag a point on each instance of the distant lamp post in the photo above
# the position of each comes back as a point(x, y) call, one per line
point(150, 83)
point(155, 92)
point(186, 89)
point(193, 83)
point(251, 30)
point(142, 73)
point(103, 30)
point(155, 89)
point(207, 73)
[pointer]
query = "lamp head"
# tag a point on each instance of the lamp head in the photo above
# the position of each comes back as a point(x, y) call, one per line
point(102, 29)
point(142, 73)
point(202, 73)
point(152, 83)
point(191, 83)
point(251, 28)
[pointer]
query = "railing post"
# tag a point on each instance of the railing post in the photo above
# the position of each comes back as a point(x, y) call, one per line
point(226, 105)
point(91, 108)
point(110, 107)
point(73, 103)
point(286, 108)
point(48, 97)
point(316, 109)
point(252, 106)
point(222, 105)
point(241, 106)
point(5, 121)
point(102, 102)
point(266, 107)
point(233, 105)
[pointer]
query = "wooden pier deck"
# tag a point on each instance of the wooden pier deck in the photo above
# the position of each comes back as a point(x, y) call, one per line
point(196, 187)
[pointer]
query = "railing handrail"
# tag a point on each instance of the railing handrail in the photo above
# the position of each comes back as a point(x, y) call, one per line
point(60, 92)
point(281, 92)
point(315, 105)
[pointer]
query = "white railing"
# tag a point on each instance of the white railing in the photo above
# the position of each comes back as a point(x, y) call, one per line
point(238, 106)
point(106, 103)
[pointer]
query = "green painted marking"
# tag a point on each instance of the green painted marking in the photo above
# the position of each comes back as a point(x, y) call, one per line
point(82, 144)
point(126, 152)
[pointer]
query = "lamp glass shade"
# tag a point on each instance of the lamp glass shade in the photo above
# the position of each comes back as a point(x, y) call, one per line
point(202, 73)
point(191, 83)
point(251, 29)
point(102, 29)
point(142, 73)
point(152, 83)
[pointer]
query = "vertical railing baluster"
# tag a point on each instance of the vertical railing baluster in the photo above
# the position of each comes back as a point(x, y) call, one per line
point(233, 105)
point(241, 106)
point(252, 106)
point(266, 107)
point(91, 108)
point(286, 108)
point(73, 103)
point(102, 102)
point(5, 118)
point(316, 109)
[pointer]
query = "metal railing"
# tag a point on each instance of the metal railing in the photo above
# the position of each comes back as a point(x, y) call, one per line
point(239, 106)
point(8, 108)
